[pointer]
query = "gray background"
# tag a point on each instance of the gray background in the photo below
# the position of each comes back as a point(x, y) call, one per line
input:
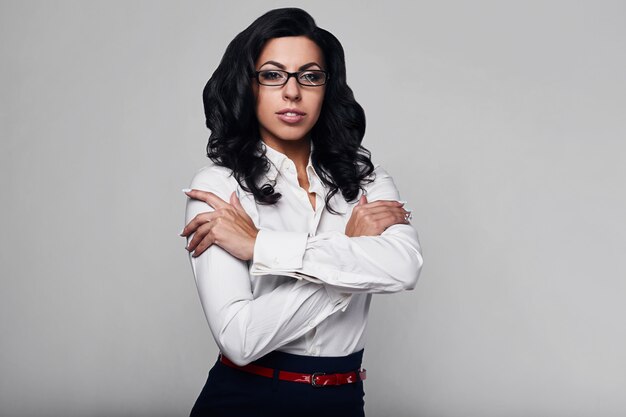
point(501, 122)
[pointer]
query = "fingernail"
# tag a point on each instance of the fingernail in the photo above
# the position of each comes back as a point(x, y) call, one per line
point(181, 232)
point(401, 201)
point(408, 209)
point(186, 190)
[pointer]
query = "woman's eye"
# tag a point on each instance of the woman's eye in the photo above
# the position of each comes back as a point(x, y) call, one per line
point(311, 76)
point(271, 75)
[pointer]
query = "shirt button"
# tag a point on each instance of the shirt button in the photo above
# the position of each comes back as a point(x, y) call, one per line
point(276, 261)
point(312, 323)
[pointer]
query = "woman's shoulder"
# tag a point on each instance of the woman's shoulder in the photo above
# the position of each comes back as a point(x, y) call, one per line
point(380, 184)
point(214, 178)
point(212, 170)
point(379, 173)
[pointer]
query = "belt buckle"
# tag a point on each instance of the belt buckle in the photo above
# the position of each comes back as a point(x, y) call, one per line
point(313, 376)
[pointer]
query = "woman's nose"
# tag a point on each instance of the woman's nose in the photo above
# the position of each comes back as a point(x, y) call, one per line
point(291, 90)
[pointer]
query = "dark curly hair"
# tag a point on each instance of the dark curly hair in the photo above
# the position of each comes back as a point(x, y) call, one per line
point(235, 143)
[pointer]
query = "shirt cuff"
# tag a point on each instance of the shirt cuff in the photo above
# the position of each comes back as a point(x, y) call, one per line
point(277, 251)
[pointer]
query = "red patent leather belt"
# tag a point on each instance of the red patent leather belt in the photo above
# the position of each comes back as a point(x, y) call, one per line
point(316, 379)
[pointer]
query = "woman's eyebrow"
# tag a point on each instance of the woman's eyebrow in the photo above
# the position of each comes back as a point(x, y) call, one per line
point(281, 66)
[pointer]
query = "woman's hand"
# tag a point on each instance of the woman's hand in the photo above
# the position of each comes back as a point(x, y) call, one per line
point(229, 227)
point(371, 219)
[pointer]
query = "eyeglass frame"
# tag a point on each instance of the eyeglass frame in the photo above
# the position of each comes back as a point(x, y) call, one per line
point(289, 75)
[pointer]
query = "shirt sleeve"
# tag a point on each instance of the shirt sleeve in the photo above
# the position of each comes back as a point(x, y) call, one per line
point(246, 328)
point(390, 262)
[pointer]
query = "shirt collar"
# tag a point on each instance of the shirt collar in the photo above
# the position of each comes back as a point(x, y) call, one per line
point(276, 158)
point(278, 161)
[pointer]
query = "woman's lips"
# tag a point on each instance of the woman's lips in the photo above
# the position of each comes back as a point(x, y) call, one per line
point(290, 117)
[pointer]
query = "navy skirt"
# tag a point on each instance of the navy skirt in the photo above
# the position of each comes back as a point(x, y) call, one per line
point(233, 393)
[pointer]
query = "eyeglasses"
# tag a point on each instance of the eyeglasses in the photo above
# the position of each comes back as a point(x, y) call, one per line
point(309, 78)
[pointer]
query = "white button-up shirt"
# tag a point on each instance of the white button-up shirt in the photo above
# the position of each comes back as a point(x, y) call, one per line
point(308, 288)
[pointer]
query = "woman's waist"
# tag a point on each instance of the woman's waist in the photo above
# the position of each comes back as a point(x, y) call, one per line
point(309, 364)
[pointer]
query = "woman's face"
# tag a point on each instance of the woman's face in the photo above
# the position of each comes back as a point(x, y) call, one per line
point(290, 53)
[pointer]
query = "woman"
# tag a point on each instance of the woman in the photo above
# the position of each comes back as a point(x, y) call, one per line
point(285, 247)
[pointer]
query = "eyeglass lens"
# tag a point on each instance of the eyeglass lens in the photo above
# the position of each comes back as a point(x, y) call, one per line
point(277, 77)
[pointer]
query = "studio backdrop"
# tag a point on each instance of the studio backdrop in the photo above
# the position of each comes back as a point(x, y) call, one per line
point(502, 124)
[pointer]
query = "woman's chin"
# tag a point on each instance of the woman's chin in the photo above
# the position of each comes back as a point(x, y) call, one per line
point(290, 138)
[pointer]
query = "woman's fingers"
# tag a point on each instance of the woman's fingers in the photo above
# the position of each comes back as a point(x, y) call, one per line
point(202, 246)
point(377, 213)
point(228, 226)
point(381, 221)
point(377, 205)
point(234, 201)
point(201, 240)
point(371, 219)
point(383, 203)
point(381, 209)
point(208, 197)
point(197, 221)
point(384, 220)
